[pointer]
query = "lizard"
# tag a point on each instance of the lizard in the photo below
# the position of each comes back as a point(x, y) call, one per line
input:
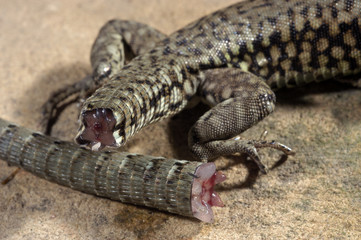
point(232, 58)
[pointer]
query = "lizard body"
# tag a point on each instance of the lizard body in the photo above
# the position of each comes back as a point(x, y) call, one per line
point(252, 47)
point(232, 58)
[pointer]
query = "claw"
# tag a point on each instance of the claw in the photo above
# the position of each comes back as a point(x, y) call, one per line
point(276, 145)
point(253, 154)
point(272, 144)
point(263, 135)
point(251, 149)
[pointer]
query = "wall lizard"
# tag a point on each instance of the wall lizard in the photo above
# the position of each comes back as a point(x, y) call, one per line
point(337, 58)
point(232, 59)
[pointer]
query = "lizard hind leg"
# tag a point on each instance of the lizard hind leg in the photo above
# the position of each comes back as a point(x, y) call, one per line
point(240, 102)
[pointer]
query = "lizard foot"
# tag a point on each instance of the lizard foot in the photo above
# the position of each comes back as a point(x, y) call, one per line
point(254, 145)
point(217, 148)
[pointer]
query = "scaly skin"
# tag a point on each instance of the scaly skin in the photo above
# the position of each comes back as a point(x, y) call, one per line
point(226, 58)
point(165, 184)
point(232, 58)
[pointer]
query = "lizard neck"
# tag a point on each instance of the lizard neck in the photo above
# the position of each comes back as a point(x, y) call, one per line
point(162, 90)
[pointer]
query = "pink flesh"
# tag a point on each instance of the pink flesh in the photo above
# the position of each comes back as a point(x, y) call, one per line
point(99, 126)
point(203, 195)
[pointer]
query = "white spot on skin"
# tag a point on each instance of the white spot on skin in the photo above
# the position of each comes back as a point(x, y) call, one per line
point(187, 87)
point(261, 59)
point(270, 106)
point(104, 67)
point(119, 139)
point(96, 146)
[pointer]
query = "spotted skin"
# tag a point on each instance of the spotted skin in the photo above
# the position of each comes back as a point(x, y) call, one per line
point(283, 43)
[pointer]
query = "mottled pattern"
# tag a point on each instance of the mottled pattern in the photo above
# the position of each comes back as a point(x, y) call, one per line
point(241, 104)
point(155, 182)
point(117, 43)
point(283, 43)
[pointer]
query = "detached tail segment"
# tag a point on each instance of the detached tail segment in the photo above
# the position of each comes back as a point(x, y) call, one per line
point(177, 186)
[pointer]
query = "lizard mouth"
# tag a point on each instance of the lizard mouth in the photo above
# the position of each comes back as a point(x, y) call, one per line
point(98, 132)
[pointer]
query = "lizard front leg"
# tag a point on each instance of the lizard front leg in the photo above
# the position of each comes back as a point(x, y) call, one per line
point(240, 100)
point(117, 43)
